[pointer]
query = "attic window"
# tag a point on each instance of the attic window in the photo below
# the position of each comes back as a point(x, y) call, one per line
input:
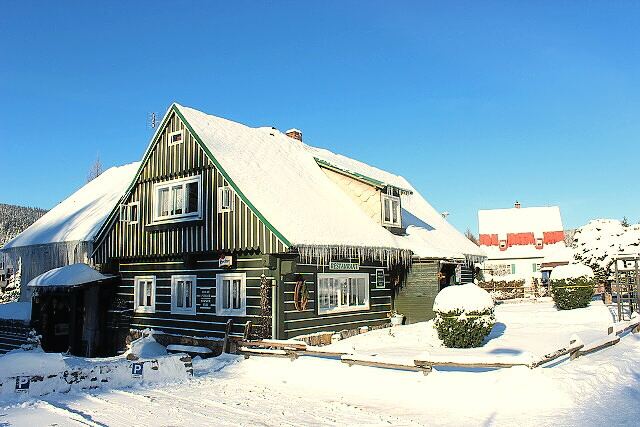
point(177, 200)
point(129, 213)
point(391, 211)
point(539, 242)
point(503, 244)
point(225, 199)
point(176, 137)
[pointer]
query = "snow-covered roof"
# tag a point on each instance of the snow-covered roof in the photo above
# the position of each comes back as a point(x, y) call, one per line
point(519, 220)
point(80, 216)
point(280, 177)
point(70, 275)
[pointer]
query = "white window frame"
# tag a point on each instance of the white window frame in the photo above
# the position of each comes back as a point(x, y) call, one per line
point(395, 215)
point(230, 195)
point(126, 213)
point(172, 134)
point(241, 307)
point(330, 287)
point(180, 300)
point(146, 306)
point(172, 187)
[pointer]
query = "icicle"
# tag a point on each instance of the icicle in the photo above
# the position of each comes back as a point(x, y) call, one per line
point(324, 254)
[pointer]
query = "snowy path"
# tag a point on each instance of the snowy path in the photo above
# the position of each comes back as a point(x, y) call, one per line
point(219, 402)
point(598, 389)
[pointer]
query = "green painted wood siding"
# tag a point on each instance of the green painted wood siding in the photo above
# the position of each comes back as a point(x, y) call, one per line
point(305, 322)
point(201, 325)
point(240, 229)
point(415, 299)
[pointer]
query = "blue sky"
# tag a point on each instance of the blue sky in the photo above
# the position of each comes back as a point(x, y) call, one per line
point(478, 104)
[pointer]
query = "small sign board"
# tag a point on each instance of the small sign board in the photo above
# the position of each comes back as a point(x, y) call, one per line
point(22, 384)
point(225, 261)
point(205, 300)
point(136, 369)
point(380, 278)
point(334, 265)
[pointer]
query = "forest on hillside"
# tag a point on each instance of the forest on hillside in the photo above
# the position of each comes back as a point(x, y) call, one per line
point(15, 219)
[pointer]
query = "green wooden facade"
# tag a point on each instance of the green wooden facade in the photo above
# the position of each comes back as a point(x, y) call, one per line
point(144, 248)
point(415, 298)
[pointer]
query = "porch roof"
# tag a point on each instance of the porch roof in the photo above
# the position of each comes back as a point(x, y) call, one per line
point(69, 276)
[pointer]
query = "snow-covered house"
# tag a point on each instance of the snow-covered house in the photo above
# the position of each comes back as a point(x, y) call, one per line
point(223, 221)
point(516, 240)
point(60, 238)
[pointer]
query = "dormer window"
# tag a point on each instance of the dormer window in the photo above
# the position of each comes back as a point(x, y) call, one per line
point(391, 211)
point(177, 200)
point(176, 137)
point(225, 199)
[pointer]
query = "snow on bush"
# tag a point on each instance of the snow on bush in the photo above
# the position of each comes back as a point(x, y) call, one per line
point(601, 240)
point(571, 271)
point(464, 315)
point(572, 293)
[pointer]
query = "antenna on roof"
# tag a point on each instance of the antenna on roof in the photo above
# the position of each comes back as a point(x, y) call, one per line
point(153, 121)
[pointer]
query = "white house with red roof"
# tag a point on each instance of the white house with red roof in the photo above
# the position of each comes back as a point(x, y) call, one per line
point(517, 239)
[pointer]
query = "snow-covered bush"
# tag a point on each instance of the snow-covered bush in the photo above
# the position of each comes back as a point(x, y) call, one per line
point(572, 293)
point(464, 315)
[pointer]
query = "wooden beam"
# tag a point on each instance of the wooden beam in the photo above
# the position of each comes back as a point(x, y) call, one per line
point(609, 341)
point(382, 364)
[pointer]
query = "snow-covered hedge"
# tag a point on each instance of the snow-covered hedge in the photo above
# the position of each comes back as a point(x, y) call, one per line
point(503, 289)
point(572, 293)
point(464, 315)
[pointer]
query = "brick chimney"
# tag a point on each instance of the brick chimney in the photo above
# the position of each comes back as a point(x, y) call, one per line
point(517, 205)
point(295, 134)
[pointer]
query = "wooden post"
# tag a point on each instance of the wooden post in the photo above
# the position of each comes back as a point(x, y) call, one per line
point(227, 332)
point(247, 331)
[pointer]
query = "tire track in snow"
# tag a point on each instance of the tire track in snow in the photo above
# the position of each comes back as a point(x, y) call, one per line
point(70, 414)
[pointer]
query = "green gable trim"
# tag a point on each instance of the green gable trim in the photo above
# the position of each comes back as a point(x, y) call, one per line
point(228, 178)
point(107, 224)
point(354, 175)
point(358, 176)
point(101, 234)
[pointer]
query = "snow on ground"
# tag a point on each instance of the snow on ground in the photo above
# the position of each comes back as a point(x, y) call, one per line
point(598, 389)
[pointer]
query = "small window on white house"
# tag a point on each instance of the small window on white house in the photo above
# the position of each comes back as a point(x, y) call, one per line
point(144, 294)
point(391, 211)
point(539, 242)
point(503, 244)
point(225, 199)
point(342, 292)
point(177, 200)
point(183, 294)
point(176, 137)
point(231, 294)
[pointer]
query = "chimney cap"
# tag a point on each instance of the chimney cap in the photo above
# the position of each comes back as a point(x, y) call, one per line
point(517, 205)
point(294, 130)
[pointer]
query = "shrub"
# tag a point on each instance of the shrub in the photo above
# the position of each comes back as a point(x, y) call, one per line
point(464, 315)
point(504, 289)
point(572, 293)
